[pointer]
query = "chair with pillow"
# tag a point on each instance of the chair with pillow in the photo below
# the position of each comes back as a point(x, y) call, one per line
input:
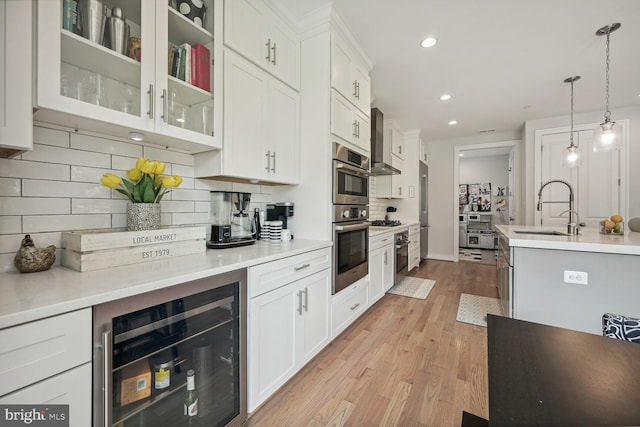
point(621, 327)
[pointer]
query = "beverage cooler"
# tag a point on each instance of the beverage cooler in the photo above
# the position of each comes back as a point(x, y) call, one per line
point(173, 357)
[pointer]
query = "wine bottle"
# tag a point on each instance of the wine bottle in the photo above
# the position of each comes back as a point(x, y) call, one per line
point(191, 400)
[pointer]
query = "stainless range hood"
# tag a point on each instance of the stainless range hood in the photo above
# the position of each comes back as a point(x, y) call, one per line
point(378, 165)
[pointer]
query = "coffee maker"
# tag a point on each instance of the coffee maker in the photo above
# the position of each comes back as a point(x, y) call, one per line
point(231, 224)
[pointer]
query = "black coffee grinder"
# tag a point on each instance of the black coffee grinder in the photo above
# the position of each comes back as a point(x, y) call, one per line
point(280, 212)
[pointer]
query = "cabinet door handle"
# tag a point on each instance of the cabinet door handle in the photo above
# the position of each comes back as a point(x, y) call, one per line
point(107, 378)
point(268, 45)
point(151, 98)
point(302, 267)
point(355, 88)
point(300, 302)
point(400, 190)
point(356, 305)
point(400, 149)
point(355, 124)
point(268, 156)
point(274, 49)
point(306, 299)
point(164, 105)
point(357, 129)
point(273, 156)
point(385, 257)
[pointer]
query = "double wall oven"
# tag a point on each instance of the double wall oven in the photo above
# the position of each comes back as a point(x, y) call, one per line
point(350, 217)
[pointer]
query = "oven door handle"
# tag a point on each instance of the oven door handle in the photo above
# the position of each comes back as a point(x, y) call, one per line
point(352, 169)
point(353, 227)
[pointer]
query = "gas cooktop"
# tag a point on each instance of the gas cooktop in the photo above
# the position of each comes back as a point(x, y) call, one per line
point(385, 223)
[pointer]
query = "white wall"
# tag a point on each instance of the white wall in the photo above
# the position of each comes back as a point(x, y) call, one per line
point(442, 192)
point(491, 169)
point(56, 187)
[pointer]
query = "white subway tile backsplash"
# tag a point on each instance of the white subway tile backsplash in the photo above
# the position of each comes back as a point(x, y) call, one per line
point(196, 195)
point(12, 168)
point(45, 153)
point(182, 170)
point(47, 223)
point(92, 206)
point(86, 174)
point(34, 205)
point(9, 187)
point(190, 218)
point(41, 188)
point(46, 136)
point(10, 243)
point(202, 206)
point(177, 206)
point(120, 220)
point(168, 156)
point(6, 262)
point(10, 224)
point(104, 145)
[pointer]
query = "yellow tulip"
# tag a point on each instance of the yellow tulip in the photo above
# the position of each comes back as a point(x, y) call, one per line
point(148, 167)
point(110, 180)
point(134, 174)
point(160, 167)
point(171, 181)
point(159, 180)
point(141, 161)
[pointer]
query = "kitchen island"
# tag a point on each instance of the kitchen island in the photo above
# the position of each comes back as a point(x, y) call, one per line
point(545, 268)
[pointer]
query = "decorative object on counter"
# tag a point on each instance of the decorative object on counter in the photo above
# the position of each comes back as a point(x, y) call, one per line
point(146, 185)
point(88, 250)
point(194, 10)
point(606, 139)
point(613, 225)
point(634, 225)
point(571, 157)
point(30, 259)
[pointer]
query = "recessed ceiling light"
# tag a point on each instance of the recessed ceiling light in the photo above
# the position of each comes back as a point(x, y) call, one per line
point(461, 154)
point(445, 97)
point(429, 42)
point(136, 136)
point(453, 122)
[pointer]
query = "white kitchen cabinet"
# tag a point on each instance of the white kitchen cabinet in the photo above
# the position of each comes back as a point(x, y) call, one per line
point(261, 127)
point(16, 115)
point(254, 31)
point(423, 151)
point(49, 361)
point(414, 246)
point(71, 388)
point(349, 76)
point(349, 123)
point(381, 265)
point(83, 84)
point(349, 304)
point(396, 142)
point(288, 319)
point(391, 186)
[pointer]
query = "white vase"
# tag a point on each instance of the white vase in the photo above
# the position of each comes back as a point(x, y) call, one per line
point(143, 216)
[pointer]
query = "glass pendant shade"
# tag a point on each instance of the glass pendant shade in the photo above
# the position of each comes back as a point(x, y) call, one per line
point(607, 137)
point(572, 157)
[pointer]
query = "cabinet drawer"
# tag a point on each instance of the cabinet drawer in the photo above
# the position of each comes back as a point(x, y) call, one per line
point(376, 242)
point(414, 229)
point(38, 350)
point(346, 308)
point(266, 277)
point(71, 388)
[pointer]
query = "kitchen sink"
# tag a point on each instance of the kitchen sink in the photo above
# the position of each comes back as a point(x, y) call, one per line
point(541, 232)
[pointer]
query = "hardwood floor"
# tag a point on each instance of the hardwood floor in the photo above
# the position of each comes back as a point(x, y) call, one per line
point(406, 362)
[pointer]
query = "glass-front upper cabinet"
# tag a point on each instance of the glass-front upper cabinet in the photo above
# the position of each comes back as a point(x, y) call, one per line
point(119, 65)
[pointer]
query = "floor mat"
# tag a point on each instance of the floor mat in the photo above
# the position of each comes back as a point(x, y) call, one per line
point(413, 287)
point(483, 256)
point(474, 309)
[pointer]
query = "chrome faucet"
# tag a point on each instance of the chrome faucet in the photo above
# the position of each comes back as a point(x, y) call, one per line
point(572, 227)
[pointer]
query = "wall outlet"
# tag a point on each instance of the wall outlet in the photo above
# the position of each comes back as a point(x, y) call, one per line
point(578, 277)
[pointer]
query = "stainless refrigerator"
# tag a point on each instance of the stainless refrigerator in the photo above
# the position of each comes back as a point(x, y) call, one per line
point(424, 211)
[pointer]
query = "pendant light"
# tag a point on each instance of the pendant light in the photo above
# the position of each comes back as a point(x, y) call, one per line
point(607, 138)
point(572, 153)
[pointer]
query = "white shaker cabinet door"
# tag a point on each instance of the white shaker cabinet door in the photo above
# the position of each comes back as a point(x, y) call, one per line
point(244, 29)
point(283, 132)
point(314, 332)
point(16, 115)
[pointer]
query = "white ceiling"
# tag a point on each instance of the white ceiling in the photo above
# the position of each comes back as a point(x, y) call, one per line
point(503, 61)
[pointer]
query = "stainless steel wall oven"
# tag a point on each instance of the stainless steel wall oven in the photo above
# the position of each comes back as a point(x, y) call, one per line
point(350, 217)
point(145, 345)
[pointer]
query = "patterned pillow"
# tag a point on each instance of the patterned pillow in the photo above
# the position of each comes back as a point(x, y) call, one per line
point(621, 327)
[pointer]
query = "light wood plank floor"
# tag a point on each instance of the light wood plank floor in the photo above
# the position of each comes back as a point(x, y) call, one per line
point(406, 362)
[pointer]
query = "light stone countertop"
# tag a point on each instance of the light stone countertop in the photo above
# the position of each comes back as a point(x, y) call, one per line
point(589, 240)
point(375, 230)
point(33, 296)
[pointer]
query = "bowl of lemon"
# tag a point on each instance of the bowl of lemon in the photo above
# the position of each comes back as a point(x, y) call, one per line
point(612, 225)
